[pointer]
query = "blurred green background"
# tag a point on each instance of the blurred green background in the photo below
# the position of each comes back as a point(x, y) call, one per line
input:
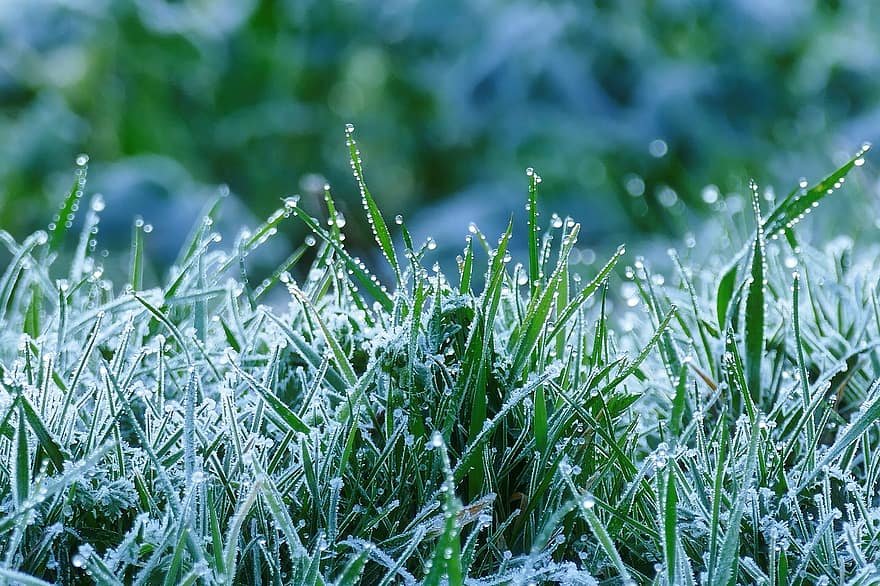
point(639, 114)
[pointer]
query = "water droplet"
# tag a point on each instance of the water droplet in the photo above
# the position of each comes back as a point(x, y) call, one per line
point(710, 194)
point(398, 219)
point(635, 186)
point(82, 159)
point(436, 439)
point(658, 148)
point(667, 197)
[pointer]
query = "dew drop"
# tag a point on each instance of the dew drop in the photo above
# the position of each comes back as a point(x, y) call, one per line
point(658, 148)
point(710, 194)
point(436, 439)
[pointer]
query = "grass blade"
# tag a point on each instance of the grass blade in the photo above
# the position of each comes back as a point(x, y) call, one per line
point(755, 305)
point(63, 220)
point(374, 216)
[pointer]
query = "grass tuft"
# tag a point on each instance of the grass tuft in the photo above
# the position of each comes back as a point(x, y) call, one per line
point(440, 428)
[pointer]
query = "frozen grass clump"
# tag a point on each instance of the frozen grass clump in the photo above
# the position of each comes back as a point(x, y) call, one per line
point(486, 427)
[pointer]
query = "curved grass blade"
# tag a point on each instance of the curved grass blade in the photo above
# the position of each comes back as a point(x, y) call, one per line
point(339, 355)
point(374, 216)
point(351, 575)
point(231, 551)
point(63, 220)
point(800, 202)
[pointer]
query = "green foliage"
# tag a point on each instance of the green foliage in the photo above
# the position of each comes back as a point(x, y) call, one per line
point(629, 109)
point(438, 430)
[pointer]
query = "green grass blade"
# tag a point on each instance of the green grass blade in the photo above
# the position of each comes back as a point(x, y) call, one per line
point(342, 361)
point(532, 207)
point(232, 549)
point(670, 533)
point(48, 442)
point(800, 202)
point(539, 420)
point(136, 263)
point(756, 306)
point(374, 216)
point(351, 575)
point(467, 267)
point(446, 560)
point(605, 542)
point(587, 292)
point(34, 312)
point(63, 220)
point(724, 294)
point(22, 462)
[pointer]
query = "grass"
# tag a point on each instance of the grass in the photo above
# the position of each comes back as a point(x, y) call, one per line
point(439, 429)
